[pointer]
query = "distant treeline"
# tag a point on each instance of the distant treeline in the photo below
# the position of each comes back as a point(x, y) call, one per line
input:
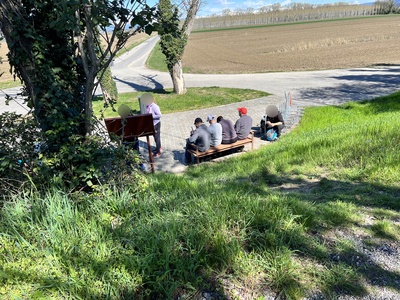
point(295, 13)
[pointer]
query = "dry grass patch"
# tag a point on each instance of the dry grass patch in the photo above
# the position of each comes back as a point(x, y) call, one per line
point(5, 66)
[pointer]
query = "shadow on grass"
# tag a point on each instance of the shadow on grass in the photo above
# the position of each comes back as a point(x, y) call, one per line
point(323, 206)
point(168, 239)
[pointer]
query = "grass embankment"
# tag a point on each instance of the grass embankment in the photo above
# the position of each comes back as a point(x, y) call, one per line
point(169, 102)
point(156, 60)
point(283, 220)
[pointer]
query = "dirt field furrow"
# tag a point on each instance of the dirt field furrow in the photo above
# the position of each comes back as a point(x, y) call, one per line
point(295, 47)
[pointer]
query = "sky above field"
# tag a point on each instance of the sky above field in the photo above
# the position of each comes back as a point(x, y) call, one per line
point(211, 7)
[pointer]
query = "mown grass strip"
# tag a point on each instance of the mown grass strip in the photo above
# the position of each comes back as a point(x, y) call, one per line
point(169, 102)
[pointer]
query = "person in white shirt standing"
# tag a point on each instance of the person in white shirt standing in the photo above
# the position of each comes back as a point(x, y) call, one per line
point(215, 130)
point(154, 109)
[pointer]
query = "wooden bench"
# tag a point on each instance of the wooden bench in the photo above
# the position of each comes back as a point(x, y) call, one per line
point(222, 147)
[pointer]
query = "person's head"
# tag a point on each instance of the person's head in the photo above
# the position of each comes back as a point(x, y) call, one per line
point(219, 119)
point(242, 111)
point(198, 122)
point(211, 119)
point(147, 98)
point(272, 111)
point(124, 110)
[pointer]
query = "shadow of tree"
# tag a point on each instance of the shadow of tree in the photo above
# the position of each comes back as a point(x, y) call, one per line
point(304, 196)
point(171, 249)
point(151, 83)
point(355, 87)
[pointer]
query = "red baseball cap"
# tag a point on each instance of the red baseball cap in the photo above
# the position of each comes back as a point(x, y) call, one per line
point(243, 110)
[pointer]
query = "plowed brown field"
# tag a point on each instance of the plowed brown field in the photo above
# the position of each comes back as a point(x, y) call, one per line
point(291, 47)
point(309, 46)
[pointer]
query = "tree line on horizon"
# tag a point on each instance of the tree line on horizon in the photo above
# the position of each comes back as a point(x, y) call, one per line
point(294, 12)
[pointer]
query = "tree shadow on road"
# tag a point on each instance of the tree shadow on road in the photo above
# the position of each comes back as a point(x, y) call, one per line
point(354, 87)
point(151, 83)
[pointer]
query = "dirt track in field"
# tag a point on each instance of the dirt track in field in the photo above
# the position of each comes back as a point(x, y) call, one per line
point(295, 47)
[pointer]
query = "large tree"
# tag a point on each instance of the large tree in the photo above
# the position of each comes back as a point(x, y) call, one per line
point(174, 35)
point(59, 49)
point(387, 6)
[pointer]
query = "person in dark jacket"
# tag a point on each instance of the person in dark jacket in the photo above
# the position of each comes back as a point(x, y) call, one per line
point(272, 120)
point(229, 135)
point(200, 136)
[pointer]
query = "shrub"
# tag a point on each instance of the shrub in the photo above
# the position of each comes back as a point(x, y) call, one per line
point(84, 163)
point(18, 136)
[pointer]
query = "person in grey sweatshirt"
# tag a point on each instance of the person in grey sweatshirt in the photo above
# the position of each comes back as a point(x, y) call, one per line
point(200, 136)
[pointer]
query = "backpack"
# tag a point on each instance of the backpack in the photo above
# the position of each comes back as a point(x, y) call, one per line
point(271, 135)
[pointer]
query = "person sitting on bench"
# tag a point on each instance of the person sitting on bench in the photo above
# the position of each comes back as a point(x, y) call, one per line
point(229, 135)
point(215, 130)
point(200, 136)
point(243, 124)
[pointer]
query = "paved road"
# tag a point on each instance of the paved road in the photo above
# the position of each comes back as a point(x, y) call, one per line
point(307, 88)
point(330, 86)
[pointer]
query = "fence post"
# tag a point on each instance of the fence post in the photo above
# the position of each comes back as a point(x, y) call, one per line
point(287, 105)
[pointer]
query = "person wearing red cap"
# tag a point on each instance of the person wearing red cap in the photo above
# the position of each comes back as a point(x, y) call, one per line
point(243, 124)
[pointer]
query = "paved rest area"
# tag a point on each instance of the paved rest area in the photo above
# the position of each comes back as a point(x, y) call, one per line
point(175, 129)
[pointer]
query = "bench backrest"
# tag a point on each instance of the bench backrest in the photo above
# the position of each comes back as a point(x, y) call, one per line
point(131, 127)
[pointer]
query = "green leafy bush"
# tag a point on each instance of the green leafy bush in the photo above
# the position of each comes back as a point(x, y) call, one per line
point(83, 163)
point(87, 162)
point(18, 135)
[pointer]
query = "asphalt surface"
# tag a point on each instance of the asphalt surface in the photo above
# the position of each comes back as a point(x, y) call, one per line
point(315, 88)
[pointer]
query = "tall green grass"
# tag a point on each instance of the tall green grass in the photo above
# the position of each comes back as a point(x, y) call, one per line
point(278, 221)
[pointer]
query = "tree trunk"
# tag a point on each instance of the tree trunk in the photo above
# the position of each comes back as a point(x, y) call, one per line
point(88, 103)
point(192, 9)
point(177, 78)
point(7, 9)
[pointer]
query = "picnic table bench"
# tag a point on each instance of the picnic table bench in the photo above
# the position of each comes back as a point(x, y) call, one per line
point(222, 147)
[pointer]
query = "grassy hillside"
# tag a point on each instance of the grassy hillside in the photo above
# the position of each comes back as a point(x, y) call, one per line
point(299, 217)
